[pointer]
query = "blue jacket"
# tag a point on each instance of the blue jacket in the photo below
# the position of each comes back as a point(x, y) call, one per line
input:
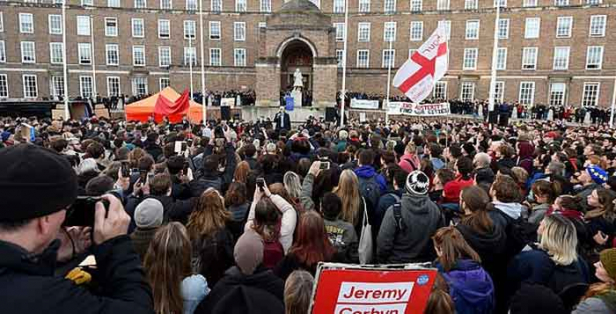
point(385, 202)
point(368, 172)
point(470, 287)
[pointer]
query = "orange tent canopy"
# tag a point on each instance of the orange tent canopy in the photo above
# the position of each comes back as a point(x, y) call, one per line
point(143, 109)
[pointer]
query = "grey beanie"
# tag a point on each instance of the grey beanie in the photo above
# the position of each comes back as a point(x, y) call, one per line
point(417, 183)
point(149, 214)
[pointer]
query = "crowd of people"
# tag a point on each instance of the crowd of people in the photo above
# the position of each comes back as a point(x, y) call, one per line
point(236, 217)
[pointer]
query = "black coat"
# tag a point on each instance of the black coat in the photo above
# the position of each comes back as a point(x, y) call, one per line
point(284, 118)
point(28, 284)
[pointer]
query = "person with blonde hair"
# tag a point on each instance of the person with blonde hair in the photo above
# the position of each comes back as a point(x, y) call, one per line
point(297, 292)
point(555, 262)
point(168, 270)
point(293, 185)
point(601, 296)
point(352, 202)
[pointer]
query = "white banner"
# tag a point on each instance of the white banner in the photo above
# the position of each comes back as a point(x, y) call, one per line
point(412, 109)
point(230, 102)
point(364, 104)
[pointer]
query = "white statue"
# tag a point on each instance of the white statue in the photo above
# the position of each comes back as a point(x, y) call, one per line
point(298, 79)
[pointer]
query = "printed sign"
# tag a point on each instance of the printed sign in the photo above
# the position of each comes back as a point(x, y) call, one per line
point(353, 289)
point(364, 104)
point(412, 109)
point(228, 102)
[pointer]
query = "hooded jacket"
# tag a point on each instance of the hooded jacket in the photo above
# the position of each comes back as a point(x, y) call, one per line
point(470, 287)
point(525, 156)
point(367, 172)
point(420, 219)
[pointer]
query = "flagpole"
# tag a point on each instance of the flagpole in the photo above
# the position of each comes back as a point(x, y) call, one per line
point(190, 67)
point(613, 105)
point(388, 79)
point(344, 59)
point(67, 113)
point(92, 54)
point(203, 107)
point(494, 61)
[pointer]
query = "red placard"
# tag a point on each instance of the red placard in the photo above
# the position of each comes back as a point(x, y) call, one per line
point(373, 291)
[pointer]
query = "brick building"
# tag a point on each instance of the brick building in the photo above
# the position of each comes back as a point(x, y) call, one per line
point(551, 51)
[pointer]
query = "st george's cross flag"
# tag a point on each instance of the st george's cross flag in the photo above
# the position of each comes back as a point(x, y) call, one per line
point(417, 76)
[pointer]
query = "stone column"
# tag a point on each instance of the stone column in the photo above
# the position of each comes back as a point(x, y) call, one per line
point(325, 71)
point(268, 82)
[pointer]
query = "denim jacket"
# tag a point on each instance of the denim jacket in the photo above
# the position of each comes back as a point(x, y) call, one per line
point(194, 289)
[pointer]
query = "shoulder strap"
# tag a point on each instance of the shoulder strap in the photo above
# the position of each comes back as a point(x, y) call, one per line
point(410, 161)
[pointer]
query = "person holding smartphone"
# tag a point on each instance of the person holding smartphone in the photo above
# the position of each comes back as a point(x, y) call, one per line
point(36, 191)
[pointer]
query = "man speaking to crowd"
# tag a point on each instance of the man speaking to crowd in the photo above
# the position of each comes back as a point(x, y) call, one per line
point(37, 186)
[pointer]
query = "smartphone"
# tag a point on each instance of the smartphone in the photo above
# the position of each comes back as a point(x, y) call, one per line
point(125, 170)
point(150, 177)
point(143, 176)
point(189, 143)
point(185, 169)
point(260, 183)
point(324, 165)
point(220, 142)
point(82, 212)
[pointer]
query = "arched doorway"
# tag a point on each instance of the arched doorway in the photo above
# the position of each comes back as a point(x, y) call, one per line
point(297, 55)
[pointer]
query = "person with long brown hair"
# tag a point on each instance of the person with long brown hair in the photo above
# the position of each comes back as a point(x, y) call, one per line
point(211, 238)
point(601, 218)
point(311, 247)
point(168, 269)
point(471, 286)
point(545, 193)
point(241, 172)
point(352, 202)
point(601, 296)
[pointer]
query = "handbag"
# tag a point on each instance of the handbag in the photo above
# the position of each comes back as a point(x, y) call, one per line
point(365, 248)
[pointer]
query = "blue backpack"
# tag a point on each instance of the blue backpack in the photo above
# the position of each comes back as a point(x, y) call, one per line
point(370, 190)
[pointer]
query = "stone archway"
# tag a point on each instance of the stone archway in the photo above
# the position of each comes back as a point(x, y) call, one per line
point(297, 54)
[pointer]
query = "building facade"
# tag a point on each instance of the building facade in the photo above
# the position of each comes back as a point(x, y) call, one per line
point(558, 52)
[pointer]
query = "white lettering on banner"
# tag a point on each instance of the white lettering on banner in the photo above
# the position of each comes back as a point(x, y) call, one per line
point(412, 109)
point(370, 309)
point(368, 292)
point(364, 104)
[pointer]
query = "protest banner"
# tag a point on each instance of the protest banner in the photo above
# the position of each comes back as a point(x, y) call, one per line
point(412, 109)
point(355, 289)
point(229, 102)
point(364, 104)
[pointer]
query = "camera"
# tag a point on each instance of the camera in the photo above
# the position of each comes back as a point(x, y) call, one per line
point(324, 165)
point(82, 212)
point(260, 183)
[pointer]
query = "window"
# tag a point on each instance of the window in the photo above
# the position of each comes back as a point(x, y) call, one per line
point(563, 26)
point(470, 59)
point(500, 3)
point(163, 83)
point(113, 3)
point(527, 93)
point(166, 5)
point(164, 56)
point(112, 54)
point(1, 22)
point(442, 5)
point(467, 92)
point(55, 24)
point(529, 3)
point(215, 57)
point(240, 5)
point(85, 86)
point(597, 25)
point(4, 86)
point(140, 86)
point(2, 52)
point(593, 1)
point(83, 25)
point(561, 58)
point(339, 57)
point(389, 32)
point(557, 94)
point(266, 6)
point(239, 57)
point(389, 6)
point(416, 5)
point(447, 25)
point(339, 31)
point(191, 5)
point(499, 91)
point(28, 53)
point(440, 90)
point(138, 55)
point(216, 5)
point(57, 86)
point(30, 86)
point(138, 28)
point(190, 29)
point(594, 57)
point(26, 23)
point(140, 4)
point(501, 59)
point(214, 30)
point(389, 57)
point(363, 58)
point(472, 29)
point(561, 3)
point(416, 31)
point(262, 24)
point(55, 53)
point(470, 5)
point(364, 6)
point(190, 56)
point(87, 2)
point(363, 32)
point(339, 6)
point(503, 28)
point(590, 95)
point(113, 86)
point(164, 28)
point(111, 27)
point(239, 31)
point(532, 27)
point(85, 53)
point(529, 58)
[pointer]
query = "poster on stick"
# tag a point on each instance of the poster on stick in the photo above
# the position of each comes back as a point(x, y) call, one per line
point(412, 109)
point(355, 289)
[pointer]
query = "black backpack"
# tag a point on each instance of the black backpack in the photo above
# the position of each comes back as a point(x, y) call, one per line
point(370, 190)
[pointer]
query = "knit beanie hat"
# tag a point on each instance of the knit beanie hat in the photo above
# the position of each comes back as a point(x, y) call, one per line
point(608, 259)
point(536, 299)
point(248, 252)
point(417, 183)
point(597, 174)
point(34, 182)
point(149, 214)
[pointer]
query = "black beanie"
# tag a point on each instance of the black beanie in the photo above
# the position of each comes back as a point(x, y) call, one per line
point(34, 182)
